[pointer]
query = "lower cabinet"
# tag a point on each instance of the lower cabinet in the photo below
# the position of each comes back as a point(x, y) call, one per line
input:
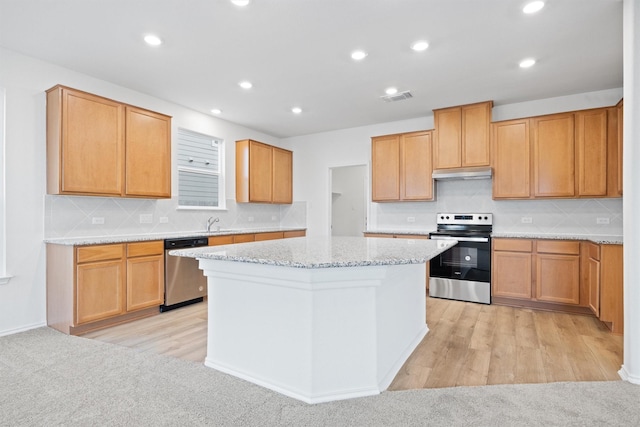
point(403, 236)
point(537, 273)
point(604, 280)
point(89, 287)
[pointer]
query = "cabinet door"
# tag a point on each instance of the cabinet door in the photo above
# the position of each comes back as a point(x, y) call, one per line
point(611, 289)
point(511, 274)
point(511, 159)
point(558, 278)
point(220, 240)
point(148, 154)
point(260, 172)
point(553, 156)
point(475, 134)
point(145, 282)
point(447, 150)
point(593, 285)
point(619, 146)
point(591, 147)
point(416, 182)
point(269, 236)
point(99, 290)
point(282, 176)
point(385, 164)
point(92, 144)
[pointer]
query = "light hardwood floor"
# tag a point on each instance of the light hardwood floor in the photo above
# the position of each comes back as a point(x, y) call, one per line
point(467, 344)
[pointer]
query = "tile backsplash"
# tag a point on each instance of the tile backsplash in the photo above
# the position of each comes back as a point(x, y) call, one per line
point(560, 216)
point(80, 216)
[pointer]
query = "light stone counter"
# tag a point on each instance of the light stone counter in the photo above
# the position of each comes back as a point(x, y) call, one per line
point(600, 239)
point(316, 318)
point(324, 252)
point(103, 240)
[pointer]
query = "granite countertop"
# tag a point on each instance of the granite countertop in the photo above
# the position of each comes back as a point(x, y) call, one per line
point(100, 240)
point(595, 238)
point(324, 252)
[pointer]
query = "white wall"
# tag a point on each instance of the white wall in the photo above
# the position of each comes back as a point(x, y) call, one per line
point(348, 200)
point(22, 300)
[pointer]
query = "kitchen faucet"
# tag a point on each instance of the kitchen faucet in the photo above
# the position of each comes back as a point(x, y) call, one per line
point(211, 221)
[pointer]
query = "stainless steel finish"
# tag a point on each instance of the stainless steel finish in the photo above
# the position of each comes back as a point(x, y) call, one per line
point(462, 173)
point(461, 290)
point(184, 280)
point(459, 238)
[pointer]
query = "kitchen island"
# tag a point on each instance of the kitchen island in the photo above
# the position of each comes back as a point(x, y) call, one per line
point(316, 318)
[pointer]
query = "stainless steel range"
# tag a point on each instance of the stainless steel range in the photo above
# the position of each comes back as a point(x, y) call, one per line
point(464, 271)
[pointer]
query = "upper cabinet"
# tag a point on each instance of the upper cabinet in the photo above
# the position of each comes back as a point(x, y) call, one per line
point(264, 173)
point(553, 156)
point(100, 147)
point(402, 167)
point(461, 137)
point(568, 155)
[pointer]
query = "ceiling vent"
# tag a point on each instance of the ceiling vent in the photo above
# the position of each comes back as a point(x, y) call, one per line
point(397, 96)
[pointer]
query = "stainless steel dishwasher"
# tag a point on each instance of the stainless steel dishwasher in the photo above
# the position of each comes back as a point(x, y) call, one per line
point(184, 282)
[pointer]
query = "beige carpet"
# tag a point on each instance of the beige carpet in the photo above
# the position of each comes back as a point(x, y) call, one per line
point(50, 379)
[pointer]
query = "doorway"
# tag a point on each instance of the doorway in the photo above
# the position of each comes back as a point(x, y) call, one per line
point(349, 187)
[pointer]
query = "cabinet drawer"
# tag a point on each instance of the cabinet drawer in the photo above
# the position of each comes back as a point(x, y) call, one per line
point(296, 233)
point(269, 236)
point(512, 245)
point(242, 238)
point(594, 251)
point(145, 248)
point(558, 247)
point(220, 240)
point(99, 253)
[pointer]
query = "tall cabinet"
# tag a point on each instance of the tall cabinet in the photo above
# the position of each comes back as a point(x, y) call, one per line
point(264, 173)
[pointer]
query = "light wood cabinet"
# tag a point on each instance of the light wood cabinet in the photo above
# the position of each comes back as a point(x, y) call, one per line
point(401, 167)
point(618, 154)
point(99, 288)
point(511, 159)
point(604, 281)
point(145, 275)
point(147, 154)
point(558, 271)
point(512, 268)
point(263, 173)
point(100, 147)
point(241, 238)
point(538, 273)
point(591, 147)
point(90, 287)
point(461, 137)
point(553, 155)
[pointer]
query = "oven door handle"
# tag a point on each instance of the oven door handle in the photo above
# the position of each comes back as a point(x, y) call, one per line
point(461, 238)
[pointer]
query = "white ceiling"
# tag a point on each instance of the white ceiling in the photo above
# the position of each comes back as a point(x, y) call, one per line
point(297, 52)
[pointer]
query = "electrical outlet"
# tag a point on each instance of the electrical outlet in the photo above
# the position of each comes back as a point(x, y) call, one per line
point(164, 220)
point(146, 218)
point(602, 220)
point(97, 220)
point(526, 220)
point(411, 219)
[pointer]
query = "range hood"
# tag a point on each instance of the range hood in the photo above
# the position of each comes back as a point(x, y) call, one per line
point(482, 172)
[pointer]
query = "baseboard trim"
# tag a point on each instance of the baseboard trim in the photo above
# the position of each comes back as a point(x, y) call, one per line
point(626, 376)
point(22, 329)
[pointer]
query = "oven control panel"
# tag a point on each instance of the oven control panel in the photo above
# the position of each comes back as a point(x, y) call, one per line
point(465, 218)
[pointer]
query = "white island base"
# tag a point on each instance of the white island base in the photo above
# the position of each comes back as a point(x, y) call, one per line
point(314, 334)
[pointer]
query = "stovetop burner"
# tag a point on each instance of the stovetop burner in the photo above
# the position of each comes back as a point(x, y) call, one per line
point(464, 224)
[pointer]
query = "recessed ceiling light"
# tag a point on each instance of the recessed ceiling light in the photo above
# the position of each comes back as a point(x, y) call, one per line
point(216, 111)
point(358, 55)
point(391, 91)
point(526, 63)
point(533, 7)
point(296, 110)
point(245, 85)
point(241, 3)
point(152, 40)
point(419, 46)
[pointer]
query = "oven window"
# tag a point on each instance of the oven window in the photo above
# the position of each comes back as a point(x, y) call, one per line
point(465, 261)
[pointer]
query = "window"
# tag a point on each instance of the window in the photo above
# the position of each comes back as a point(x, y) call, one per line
point(200, 171)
